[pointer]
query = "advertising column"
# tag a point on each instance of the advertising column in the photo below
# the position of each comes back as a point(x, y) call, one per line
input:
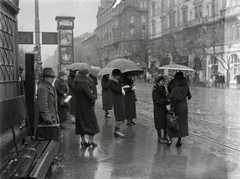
point(65, 26)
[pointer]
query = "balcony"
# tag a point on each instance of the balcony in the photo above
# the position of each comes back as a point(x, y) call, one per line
point(232, 10)
point(170, 30)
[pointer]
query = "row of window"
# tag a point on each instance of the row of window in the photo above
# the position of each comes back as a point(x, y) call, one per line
point(108, 15)
point(234, 33)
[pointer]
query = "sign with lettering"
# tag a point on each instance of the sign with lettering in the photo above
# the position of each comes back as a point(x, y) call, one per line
point(65, 23)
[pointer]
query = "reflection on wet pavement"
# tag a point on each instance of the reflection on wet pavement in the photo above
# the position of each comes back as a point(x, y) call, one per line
point(211, 150)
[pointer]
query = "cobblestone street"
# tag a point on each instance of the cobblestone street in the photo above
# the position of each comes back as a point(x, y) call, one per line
point(214, 115)
point(210, 151)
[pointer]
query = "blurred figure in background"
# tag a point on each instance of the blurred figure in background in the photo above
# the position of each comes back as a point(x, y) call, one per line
point(22, 84)
point(94, 85)
point(70, 82)
point(106, 96)
point(61, 87)
point(129, 99)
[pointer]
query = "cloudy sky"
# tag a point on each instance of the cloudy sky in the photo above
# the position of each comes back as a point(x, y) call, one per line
point(84, 11)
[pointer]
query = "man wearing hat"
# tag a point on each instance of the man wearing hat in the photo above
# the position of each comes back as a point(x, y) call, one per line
point(47, 98)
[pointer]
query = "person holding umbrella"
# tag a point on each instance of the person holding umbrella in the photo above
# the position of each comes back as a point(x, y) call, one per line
point(117, 90)
point(129, 98)
point(106, 96)
point(179, 92)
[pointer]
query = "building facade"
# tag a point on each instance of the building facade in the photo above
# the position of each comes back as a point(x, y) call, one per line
point(120, 30)
point(202, 34)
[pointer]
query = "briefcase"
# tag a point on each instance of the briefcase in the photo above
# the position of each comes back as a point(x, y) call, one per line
point(48, 132)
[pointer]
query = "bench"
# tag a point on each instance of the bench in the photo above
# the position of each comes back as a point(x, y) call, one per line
point(21, 155)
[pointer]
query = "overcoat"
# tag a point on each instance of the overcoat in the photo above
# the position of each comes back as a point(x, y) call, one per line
point(94, 85)
point(159, 96)
point(129, 98)
point(47, 103)
point(118, 99)
point(70, 82)
point(61, 87)
point(178, 104)
point(85, 117)
point(106, 94)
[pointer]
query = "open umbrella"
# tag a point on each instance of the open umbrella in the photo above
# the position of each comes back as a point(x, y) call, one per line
point(122, 64)
point(176, 67)
point(95, 70)
point(134, 72)
point(78, 66)
point(105, 71)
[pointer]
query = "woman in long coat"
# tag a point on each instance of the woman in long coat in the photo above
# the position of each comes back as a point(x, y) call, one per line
point(129, 99)
point(115, 84)
point(86, 120)
point(159, 96)
point(179, 92)
point(106, 96)
point(61, 87)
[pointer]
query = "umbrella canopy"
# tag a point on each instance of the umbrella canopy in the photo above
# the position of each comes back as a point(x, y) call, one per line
point(105, 71)
point(77, 66)
point(122, 64)
point(176, 67)
point(95, 70)
point(134, 72)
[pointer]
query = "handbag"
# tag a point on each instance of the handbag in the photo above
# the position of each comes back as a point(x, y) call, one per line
point(172, 122)
point(48, 132)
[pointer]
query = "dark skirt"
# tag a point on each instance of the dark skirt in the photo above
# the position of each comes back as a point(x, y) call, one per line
point(130, 105)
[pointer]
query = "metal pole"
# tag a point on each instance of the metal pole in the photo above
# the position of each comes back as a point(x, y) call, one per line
point(37, 30)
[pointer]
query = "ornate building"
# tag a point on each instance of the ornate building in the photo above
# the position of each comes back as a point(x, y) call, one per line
point(120, 30)
point(203, 34)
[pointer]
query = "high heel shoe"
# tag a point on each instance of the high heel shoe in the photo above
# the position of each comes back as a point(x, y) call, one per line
point(178, 144)
point(92, 144)
point(84, 144)
point(169, 142)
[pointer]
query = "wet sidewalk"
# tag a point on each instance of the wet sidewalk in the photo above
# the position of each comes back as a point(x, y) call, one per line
point(140, 156)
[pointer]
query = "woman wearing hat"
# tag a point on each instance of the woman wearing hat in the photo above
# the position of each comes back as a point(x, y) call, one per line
point(159, 96)
point(61, 87)
point(85, 118)
point(179, 92)
point(47, 98)
point(117, 90)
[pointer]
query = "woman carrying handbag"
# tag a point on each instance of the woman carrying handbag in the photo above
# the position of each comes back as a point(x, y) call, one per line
point(178, 94)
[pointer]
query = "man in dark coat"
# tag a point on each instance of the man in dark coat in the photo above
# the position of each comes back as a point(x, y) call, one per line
point(130, 99)
point(117, 90)
point(179, 92)
point(159, 96)
point(61, 87)
point(47, 98)
point(86, 120)
point(106, 96)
